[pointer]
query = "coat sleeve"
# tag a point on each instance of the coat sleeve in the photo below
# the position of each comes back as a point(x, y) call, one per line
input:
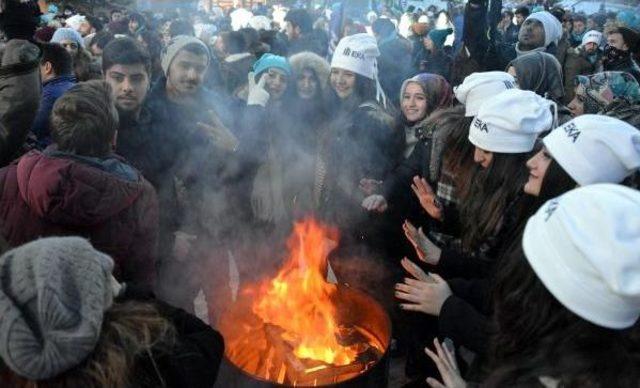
point(19, 96)
point(40, 126)
point(464, 325)
point(454, 263)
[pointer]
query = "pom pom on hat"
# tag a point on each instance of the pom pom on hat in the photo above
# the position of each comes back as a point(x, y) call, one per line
point(595, 149)
point(478, 88)
point(583, 246)
point(511, 122)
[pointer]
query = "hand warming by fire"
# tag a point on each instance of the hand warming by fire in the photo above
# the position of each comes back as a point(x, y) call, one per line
point(298, 329)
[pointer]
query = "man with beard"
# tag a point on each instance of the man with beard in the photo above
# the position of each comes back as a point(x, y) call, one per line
point(585, 59)
point(622, 42)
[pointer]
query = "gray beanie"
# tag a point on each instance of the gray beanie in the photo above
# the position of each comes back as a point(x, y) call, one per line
point(173, 48)
point(53, 295)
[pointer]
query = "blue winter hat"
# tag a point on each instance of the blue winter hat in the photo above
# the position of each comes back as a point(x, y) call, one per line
point(268, 61)
point(67, 34)
point(439, 36)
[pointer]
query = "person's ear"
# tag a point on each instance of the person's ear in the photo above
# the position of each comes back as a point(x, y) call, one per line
point(298, 30)
point(48, 68)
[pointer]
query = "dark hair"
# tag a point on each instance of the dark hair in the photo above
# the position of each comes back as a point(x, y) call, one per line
point(507, 12)
point(300, 18)
point(138, 18)
point(60, 59)
point(457, 160)
point(125, 51)
point(491, 192)
point(579, 17)
point(115, 10)
point(84, 120)
point(181, 27)
point(95, 23)
point(631, 37)
point(383, 27)
point(234, 42)
point(555, 183)
point(102, 39)
point(524, 11)
point(535, 335)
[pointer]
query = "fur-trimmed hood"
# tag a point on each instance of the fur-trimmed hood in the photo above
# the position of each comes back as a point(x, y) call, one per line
point(309, 60)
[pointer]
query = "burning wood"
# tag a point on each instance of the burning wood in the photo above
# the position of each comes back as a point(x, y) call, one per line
point(289, 330)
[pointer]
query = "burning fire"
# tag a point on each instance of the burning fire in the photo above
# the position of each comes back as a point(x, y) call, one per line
point(296, 328)
point(299, 300)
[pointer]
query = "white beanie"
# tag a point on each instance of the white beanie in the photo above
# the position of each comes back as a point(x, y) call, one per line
point(592, 36)
point(260, 22)
point(511, 122)
point(75, 21)
point(357, 53)
point(595, 149)
point(583, 246)
point(477, 88)
point(552, 26)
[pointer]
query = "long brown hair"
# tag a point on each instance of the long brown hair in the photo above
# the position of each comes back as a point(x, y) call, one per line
point(129, 330)
point(491, 191)
point(457, 161)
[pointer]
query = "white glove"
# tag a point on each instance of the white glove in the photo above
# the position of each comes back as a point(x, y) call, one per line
point(257, 93)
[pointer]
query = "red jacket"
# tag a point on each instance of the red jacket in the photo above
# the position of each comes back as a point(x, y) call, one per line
point(104, 200)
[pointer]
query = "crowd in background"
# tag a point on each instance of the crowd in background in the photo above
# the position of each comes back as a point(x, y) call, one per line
point(481, 164)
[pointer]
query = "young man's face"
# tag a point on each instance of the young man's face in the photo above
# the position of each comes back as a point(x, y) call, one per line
point(293, 32)
point(116, 16)
point(71, 46)
point(578, 27)
point(186, 73)
point(615, 40)
point(519, 19)
point(531, 34)
point(129, 84)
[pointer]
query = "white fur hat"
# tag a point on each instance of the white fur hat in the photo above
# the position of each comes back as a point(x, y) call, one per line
point(511, 121)
point(595, 149)
point(583, 246)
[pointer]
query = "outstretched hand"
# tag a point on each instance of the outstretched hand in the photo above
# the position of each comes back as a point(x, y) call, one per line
point(222, 136)
point(426, 250)
point(427, 197)
point(375, 202)
point(426, 293)
point(445, 360)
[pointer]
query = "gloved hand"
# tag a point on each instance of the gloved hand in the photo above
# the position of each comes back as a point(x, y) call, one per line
point(257, 93)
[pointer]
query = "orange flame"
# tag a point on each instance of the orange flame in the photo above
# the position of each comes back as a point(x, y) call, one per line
point(299, 300)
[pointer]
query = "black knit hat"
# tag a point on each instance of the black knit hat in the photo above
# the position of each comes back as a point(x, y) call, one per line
point(19, 18)
point(300, 18)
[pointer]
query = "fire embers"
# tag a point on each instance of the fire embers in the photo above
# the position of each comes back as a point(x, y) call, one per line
point(297, 329)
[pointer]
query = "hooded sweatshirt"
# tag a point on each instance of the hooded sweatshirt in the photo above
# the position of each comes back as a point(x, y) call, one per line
point(105, 200)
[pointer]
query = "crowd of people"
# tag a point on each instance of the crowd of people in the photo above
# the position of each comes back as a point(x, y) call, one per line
point(481, 165)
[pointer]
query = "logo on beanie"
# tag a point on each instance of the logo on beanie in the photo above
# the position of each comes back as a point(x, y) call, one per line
point(551, 208)
point(353, 53)
point(478, 124)
point(572, 131)
point(509, 85)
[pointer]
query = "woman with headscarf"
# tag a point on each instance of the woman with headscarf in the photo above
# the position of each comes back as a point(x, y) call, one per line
point(612, 93)
point(420, 97)
point(539, 72)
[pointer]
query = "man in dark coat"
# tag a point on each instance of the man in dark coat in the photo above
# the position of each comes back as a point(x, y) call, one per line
point(78, 187)
point(56, 71)
point(622, 42)
point(394, 63)
point(301, 35)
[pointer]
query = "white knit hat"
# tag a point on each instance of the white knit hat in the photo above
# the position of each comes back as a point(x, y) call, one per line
point(583, 246)
point(477, 88)
point(592, 36)
point(552, 26)
point(595, 149)
point(176, 44)
point(75, 21)
point(511, 122)
point(358, 53)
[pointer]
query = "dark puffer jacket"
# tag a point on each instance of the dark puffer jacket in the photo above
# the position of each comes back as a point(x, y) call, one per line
point(104, 200)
